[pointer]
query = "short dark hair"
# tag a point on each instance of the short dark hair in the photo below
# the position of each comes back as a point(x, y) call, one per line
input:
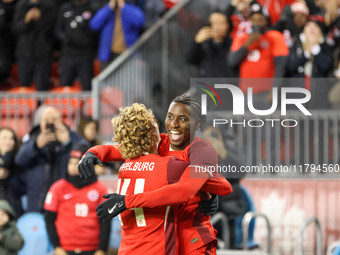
point(195, 107)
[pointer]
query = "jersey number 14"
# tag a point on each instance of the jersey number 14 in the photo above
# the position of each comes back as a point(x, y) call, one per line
point(139, 188)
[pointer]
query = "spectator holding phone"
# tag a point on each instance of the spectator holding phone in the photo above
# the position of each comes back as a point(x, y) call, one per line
point(261, 57)
point(261, 54)
point(45, 155)
point(210, 48)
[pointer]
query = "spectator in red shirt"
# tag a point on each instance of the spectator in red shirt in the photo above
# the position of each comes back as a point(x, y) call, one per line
point(261, 54)
point(262, 57)
point(70, 215)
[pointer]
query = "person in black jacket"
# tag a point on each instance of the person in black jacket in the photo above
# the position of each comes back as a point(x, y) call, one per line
point(310, 60)
point(210, 48)
point(33, 24)
point(7, 40)
point(79, 42)
point(311, 57)
point(9, 191)
point(293, 19)
point(44, 156)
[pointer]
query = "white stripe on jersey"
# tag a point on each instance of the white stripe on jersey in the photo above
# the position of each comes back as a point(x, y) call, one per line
point(166, 216)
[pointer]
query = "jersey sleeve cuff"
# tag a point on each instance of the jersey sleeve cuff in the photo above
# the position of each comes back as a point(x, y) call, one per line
point(127, 202)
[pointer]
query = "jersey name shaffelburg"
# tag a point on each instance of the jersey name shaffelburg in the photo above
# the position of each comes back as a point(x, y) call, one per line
point(137, 166)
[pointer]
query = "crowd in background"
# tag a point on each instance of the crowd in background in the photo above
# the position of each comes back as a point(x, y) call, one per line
point(44, 169)
point(251, 40)
point(36, 33)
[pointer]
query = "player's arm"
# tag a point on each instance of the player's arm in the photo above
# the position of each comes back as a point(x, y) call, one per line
point(99, 154)
point(202, 158)
point(177, 193)
point(95, 156)
point(217, 185)
point(106, 153)
point(105, 228)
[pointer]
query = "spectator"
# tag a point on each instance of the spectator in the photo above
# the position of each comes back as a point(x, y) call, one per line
point(261, 54)
point(153, 10)
point(71, 220)
point(119, 24)
point(78, 42)
point(311, 60)
point(88, 128)
point(9, 145)
point(275, 8)
point(238, 13)
point(33, 24)
point(311, 57)
point(44, 156)
point(332, 20)
point(7, 40)
point(334, 93)
point(293, 20)
point(11, 240)
point(210, 48)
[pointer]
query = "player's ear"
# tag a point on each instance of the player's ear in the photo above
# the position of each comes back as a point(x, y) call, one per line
point(198, 124)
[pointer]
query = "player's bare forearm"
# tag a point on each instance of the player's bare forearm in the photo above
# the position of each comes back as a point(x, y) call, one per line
point(107, 153)
point(218, 186)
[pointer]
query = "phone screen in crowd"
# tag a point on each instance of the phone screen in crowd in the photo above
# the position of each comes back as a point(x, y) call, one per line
point(50, 126)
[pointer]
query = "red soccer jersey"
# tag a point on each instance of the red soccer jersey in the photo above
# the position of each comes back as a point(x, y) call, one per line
point(195, 228)
point(148, 230)
point(259, 62)
point(77, 223)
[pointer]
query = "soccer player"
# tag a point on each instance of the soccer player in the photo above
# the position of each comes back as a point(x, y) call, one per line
point(145, 171)
point(71, 220)
point(195, 231)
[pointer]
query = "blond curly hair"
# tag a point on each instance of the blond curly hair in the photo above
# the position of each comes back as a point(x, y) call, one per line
point(133, 130)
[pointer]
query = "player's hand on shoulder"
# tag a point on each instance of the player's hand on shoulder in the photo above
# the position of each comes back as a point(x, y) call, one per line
point(59, 251)
point(114, 205)
point(209, 207)
point(86, 165)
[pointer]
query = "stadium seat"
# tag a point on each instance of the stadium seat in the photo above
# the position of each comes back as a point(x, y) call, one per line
point(16, 112)
point(250, 207)
point(68, 106)
point(115, 235)
point(33, 229)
